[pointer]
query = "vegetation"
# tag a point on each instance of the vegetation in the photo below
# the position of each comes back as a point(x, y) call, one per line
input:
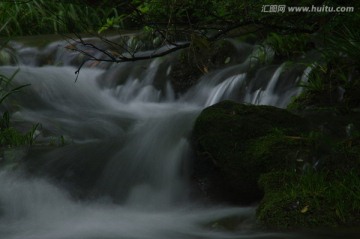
point(334, 78)
point(179, 24)
point(321, 192)
point(47, 17)
point(306, 175)
point(333, 38)
point(241, 142)
point(10, 136)
point(310, 200)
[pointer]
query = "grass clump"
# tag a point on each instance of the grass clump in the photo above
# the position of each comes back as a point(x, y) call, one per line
point(311, 200)
point(322, 191)
point(48, 17)
point(9, 136)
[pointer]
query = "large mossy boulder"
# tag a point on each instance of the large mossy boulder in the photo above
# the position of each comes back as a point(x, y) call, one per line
point(236, 143)
point(304, 173)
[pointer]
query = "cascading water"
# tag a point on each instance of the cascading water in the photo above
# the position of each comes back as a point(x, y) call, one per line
point(129, 150)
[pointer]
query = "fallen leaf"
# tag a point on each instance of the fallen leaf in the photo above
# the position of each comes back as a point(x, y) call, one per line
point(305, 209)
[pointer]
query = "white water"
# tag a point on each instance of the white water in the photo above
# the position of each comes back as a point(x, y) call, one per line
point(141, 133)
point(34, 208)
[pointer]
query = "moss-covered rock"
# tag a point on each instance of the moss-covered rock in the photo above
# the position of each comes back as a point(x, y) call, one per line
point(305, 171)
point(236, 143)
point(200, 59)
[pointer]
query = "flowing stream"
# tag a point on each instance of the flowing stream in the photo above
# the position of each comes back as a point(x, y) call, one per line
point(126, 135)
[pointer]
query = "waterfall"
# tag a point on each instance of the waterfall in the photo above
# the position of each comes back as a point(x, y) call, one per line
point(129, 149)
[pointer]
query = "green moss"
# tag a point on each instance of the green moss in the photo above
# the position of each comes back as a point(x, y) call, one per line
point(199, 59)
point(277, 150)
point(299, 102)
point(240, 140)
point(308, 178)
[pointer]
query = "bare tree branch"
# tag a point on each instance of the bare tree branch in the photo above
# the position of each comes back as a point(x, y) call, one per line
point(168, 34)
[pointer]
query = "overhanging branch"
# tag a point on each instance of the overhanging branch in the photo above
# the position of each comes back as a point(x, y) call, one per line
point(130, 56)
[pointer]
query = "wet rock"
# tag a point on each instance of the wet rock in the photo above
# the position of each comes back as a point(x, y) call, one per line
point(7, 56)
point(75, 167)
point(304, 171)
point(236, 143)
point(195, 62)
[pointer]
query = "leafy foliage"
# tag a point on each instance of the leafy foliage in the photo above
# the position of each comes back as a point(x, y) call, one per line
point(288, 46)
point(46, 17)
point(9, 136)
point(4, 84)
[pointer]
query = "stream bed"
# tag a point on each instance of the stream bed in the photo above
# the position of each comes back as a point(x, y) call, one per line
point(125, 134)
